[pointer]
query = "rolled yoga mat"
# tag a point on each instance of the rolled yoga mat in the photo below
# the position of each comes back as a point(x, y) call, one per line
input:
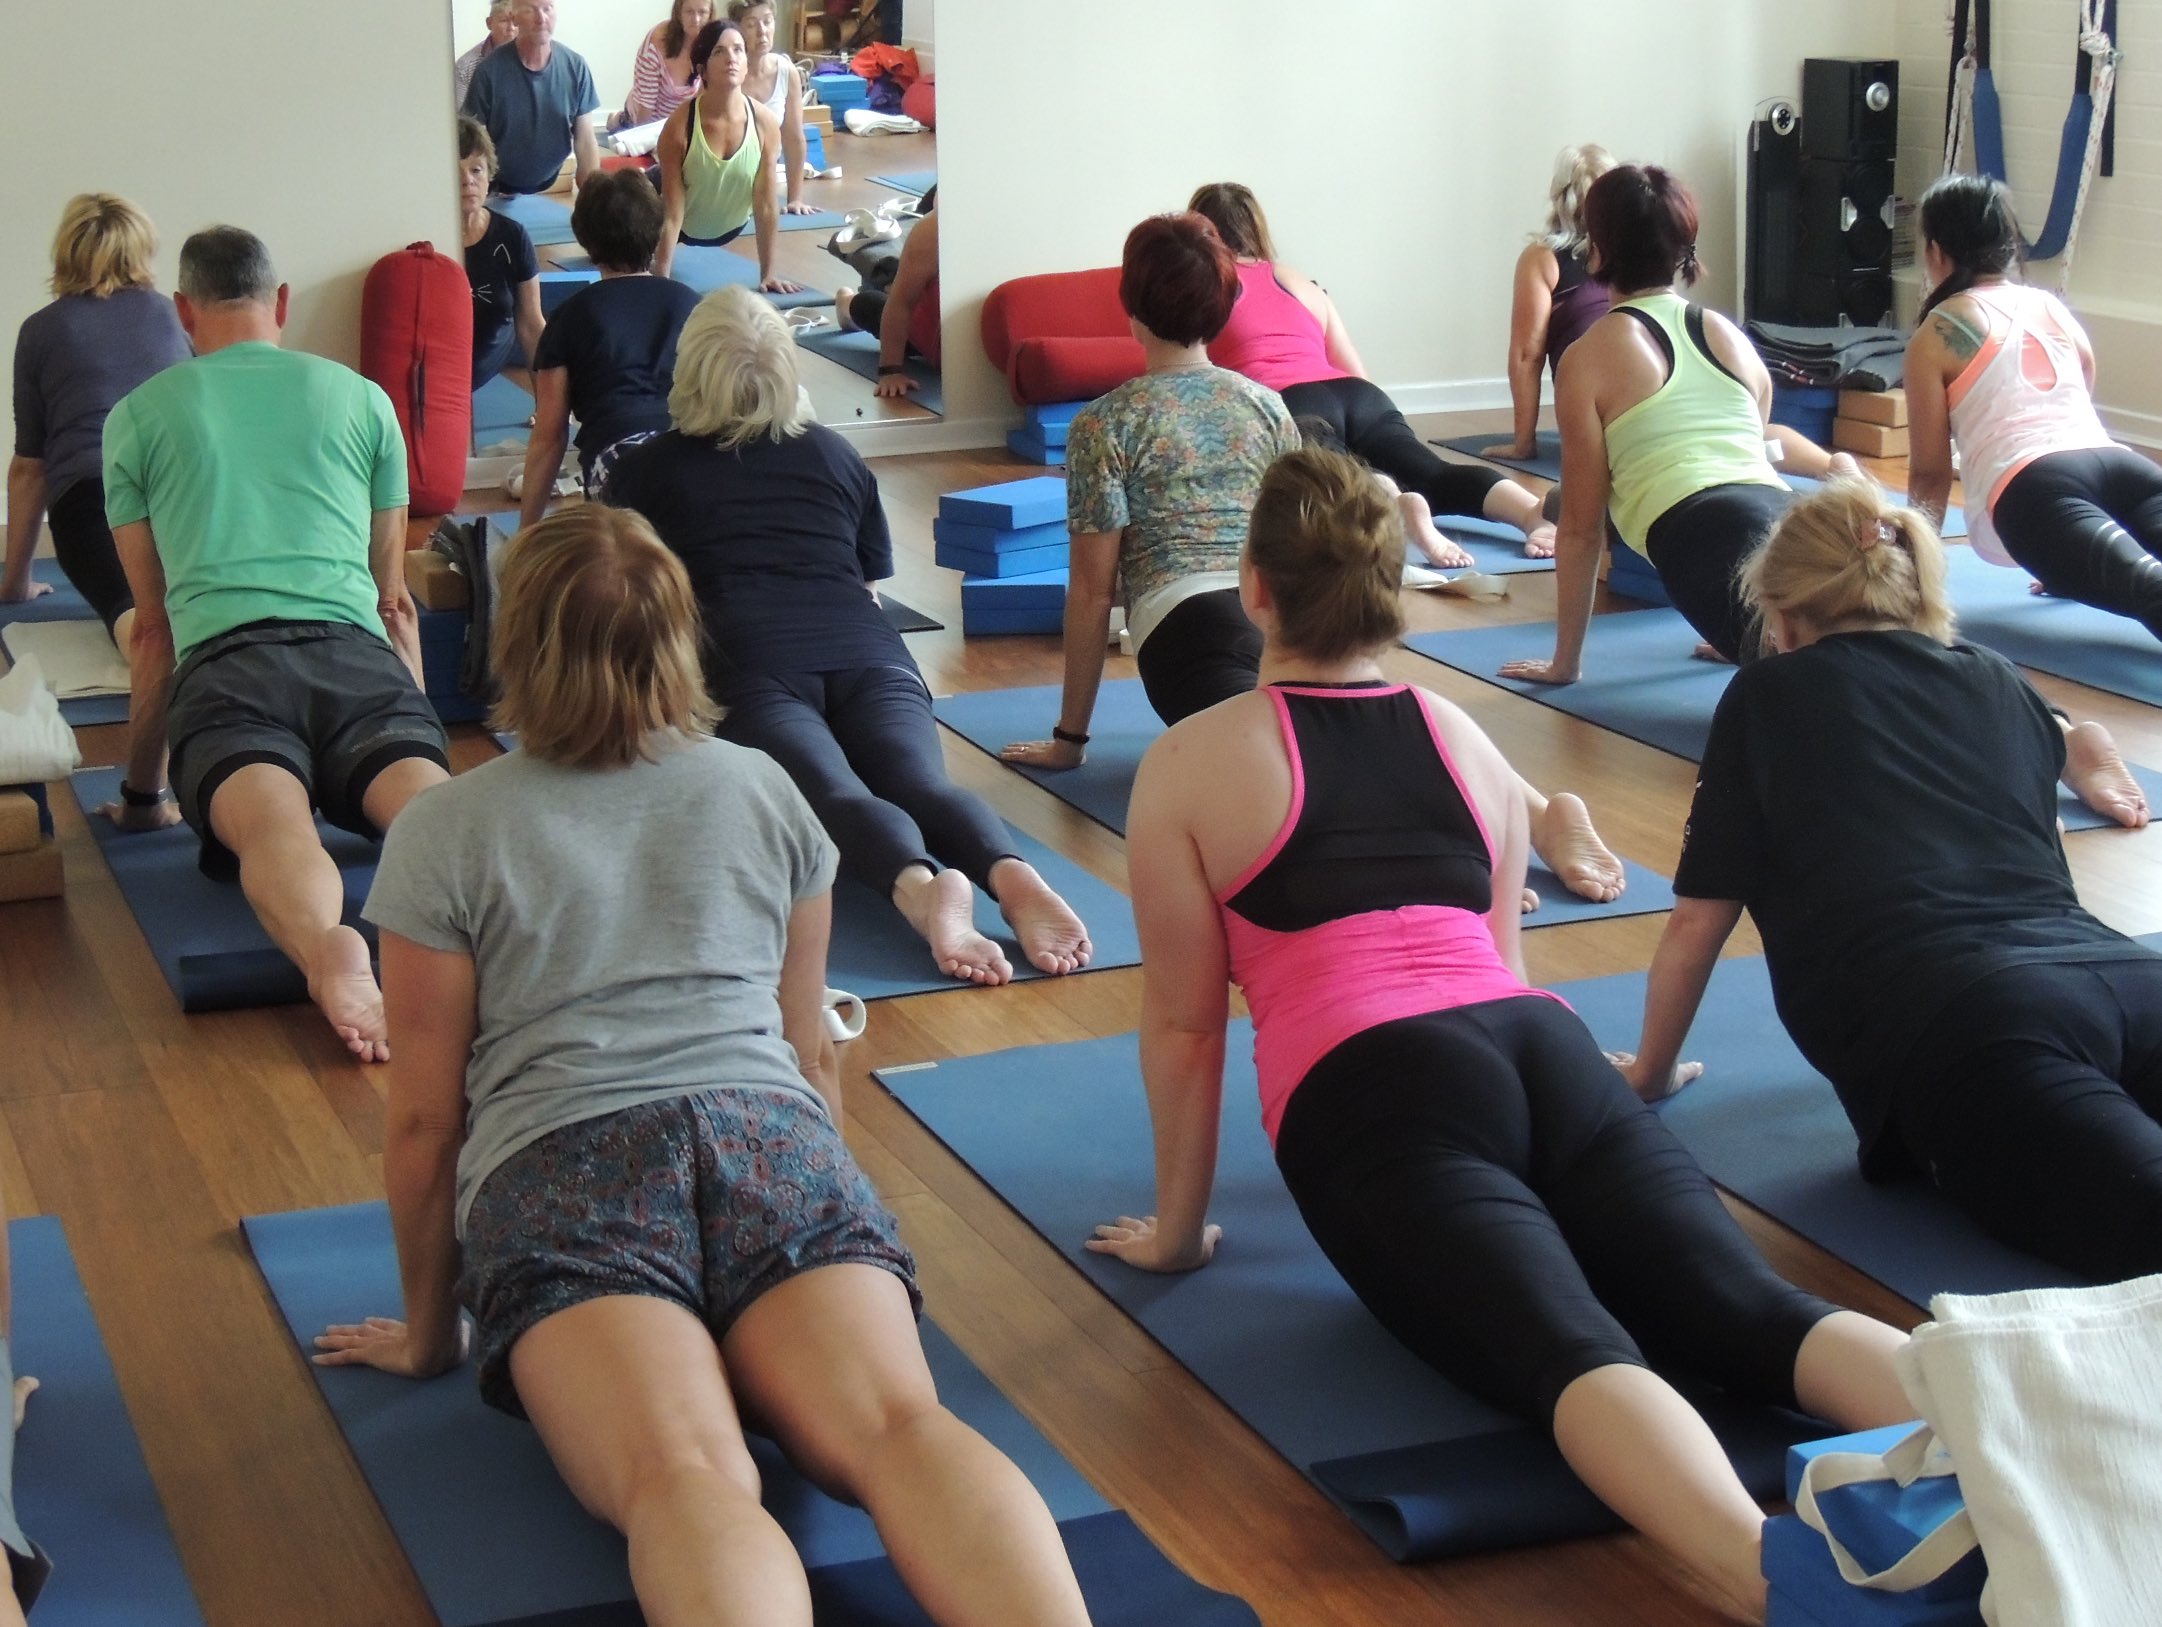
point(82, 1490)
point(1125, 726)
point(858, 352)
point(1640, 680)
point(497, 1540)
point(1061, 1132)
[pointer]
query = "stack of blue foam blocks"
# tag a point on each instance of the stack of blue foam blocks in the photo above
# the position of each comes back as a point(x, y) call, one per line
point(1877, 1523)
point(1630, 572)
point(1043, 438)
point(1009, 543)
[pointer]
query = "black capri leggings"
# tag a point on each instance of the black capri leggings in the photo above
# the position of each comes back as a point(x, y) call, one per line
point(84, 549)
point(1496, 1195)
point(2040, 1119)
point(1360, 414)
point(2088, 526)
point(1203, 652)
point(863, 749)
point(1698, 546)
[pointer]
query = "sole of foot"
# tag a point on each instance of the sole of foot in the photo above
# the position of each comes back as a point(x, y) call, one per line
point(1050, 934)
point(342, 984)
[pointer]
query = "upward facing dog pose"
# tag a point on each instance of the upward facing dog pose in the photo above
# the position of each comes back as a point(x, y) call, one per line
point(1455, 1140)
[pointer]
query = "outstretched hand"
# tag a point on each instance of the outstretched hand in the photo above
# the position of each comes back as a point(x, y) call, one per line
point(1540, 672)
point(799, 207)
point(385, 1343)
point(1510, 449)
point(31, 589)
point(892, 386)
point(1650, 1089)
point(1141, 1245)
point(136, 821)
point(779, 285)
point(1056, 755)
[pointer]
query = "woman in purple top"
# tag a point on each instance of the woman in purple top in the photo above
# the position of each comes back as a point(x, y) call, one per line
point(1556, 298)
point(106, 330)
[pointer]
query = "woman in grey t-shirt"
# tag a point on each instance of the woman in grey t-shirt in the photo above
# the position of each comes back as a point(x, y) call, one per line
point(613, 1130)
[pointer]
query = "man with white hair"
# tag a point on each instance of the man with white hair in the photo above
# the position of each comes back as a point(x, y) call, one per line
point(537, 104)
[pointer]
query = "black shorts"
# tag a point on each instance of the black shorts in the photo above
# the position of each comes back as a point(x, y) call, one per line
point(329, 702)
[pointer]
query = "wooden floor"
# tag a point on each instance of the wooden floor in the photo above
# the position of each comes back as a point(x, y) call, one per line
point(150, 1134)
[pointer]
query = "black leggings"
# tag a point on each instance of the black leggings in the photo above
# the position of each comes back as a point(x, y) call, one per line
point(1499, 1199)
point(1360, 414)
point(2088, 526)
point(1203, 652)
point(863, 749)
point(1698, 546)
point(84, 549)
point(2041, 1119)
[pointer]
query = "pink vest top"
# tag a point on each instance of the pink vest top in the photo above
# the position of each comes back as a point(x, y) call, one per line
point(1271, 337)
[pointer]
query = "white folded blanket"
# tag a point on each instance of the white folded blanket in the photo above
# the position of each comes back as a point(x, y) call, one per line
point(77, 657)
point(861, 121)
point(36, 744)
point(636, 140)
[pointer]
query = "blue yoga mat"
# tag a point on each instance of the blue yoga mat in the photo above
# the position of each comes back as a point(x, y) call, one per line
point(1955, 519)
point(1545, 463)
point(1769, 1129)
point(82, 1490)
point(495, 1537)
point(1125, 726)
point(824, 220)
point(1640, 680)
point(2058, 636)
point(547, 220)
point(705, 267)
point(858, 352)
point(914, 181)
point(64, 603)
point(500, 413)
point(1061, 1132)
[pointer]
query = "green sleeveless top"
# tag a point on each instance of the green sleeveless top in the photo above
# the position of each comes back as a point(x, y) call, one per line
point(1698, 430)
point(717, 191)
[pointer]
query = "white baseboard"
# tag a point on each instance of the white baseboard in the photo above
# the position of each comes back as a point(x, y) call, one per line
point(1456, 395)
point(891, 437)
point(2135, 428)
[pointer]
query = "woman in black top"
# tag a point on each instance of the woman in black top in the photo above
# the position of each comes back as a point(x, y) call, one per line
point(1882, 799)
point(780, 525)
point(501, 267)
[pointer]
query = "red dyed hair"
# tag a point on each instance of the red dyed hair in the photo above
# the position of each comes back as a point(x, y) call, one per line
point(1177, 279)
point(1643, 223)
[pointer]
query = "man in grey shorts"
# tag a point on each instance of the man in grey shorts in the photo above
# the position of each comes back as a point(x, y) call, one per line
point(258, 499)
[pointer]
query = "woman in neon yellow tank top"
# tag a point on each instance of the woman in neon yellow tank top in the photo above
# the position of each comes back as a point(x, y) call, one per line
point(1664, 408)
point(716, 160)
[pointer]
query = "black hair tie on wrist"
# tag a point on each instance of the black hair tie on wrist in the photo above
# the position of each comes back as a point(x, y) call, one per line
point(886, 372)
point(133, 798)
point(1068, 737)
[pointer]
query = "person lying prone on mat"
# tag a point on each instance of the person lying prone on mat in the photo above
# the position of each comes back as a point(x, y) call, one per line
point(1457, 1143)
point(780, 525)
point(258, 498)
point(1284, 332)
point(1882, 800)
point(1664, 408)
point(614, 1132)
point(716, 160)
point(905, 317)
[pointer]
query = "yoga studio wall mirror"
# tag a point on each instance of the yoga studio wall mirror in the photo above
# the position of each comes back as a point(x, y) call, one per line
point(851, 258)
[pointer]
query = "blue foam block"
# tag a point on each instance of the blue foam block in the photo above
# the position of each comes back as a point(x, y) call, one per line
point(841, 91)
point(1545, 462)
point(82, 1490)
point(814, 154)
point(1011, 505)
point(1632, 574)
point(858, 352)
point(1879, 1521)
point(203, 934)
point(1002, 563)
point(64, 603)
point(1027, 443)
point(1054, 418)
point(1641, 681)
point(490, 1530)
point(1810, 409)
point(1061, 1132)
point(1035, 603)
point(991, 539)
point(547, 220)
point(2058, 636)
point(917, 181)
point(1803, 1573)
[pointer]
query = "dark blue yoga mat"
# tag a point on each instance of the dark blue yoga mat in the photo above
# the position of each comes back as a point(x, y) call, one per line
point(913, 181)
point(1640, 680)
point(64, 603)
point(495, 1537)
point(2058, 636)
point(1125, 726)
point(1545, 463)
point(858, 352)
point(1061, 1132)
point(547, 220)
point(82, 1490)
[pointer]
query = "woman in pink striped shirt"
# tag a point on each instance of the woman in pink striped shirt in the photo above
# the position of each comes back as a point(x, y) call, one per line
point(661, 78)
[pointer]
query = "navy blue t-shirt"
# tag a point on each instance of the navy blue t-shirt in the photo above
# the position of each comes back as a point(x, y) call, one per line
point(496, 266)
point(617, 339)
point(529, 115)
point(782, 540)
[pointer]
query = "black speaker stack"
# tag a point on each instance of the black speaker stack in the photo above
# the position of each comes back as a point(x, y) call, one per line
point(1820, 202)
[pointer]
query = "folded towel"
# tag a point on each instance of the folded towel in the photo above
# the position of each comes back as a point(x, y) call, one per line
point(635, 140)
point(36, 744)
point(77, 657)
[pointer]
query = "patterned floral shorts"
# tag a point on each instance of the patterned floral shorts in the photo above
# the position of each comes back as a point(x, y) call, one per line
point(706, 1200)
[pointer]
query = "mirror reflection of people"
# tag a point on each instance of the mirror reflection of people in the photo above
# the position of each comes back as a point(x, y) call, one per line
point(501, 268)
point(771, 78)
point(662, 78)
point(502, 29)
point(715, 156)
point(537, 103)
point(905, 318)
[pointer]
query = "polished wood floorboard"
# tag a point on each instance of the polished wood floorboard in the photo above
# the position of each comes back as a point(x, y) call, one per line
point(151, 1133)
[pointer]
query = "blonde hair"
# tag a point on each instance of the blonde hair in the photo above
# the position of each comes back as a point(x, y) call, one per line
point(595, 642)
point(736, 372)
point(1575, 168)
point(104, 244)
point(1845, 557)
point(1329, 542)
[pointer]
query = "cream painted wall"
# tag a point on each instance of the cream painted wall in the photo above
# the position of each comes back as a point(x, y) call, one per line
point(1401, 149)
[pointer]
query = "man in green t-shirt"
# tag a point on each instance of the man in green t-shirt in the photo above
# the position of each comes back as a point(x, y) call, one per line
point(258, 498)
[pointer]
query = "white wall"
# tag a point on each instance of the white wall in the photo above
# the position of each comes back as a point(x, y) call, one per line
point(1401, 148)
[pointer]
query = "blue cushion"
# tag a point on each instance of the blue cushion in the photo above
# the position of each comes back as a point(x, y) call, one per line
point(1010, 505)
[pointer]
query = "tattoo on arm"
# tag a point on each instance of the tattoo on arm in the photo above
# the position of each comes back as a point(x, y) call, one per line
point(1962, 341)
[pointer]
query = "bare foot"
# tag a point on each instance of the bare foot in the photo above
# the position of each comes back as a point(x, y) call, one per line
point(342, 985)
point(1425, 536)
point(1707, 652)
point(1565, 840)
point(1539, 541)
point(1052, 936)
point(942, 908)
point(25, 1387)
point(1529, 902)
point(2095, 772)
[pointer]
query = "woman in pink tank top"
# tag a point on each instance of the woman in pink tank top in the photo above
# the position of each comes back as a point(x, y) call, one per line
point(1481, 1175)
point(1285, 333)
point(2006, 373)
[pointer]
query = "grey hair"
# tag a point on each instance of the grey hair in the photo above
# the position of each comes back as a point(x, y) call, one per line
point(736, 372)
point(221, 264)
point(1575, 168)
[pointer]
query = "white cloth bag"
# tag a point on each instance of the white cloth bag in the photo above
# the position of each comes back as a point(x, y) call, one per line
point(1918, 1457)
point(2050, 1403)
point(36, 743)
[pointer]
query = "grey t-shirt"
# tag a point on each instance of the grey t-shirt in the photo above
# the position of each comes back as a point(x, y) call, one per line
point(626, 927)
point(73, 360)
point(529, 115)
